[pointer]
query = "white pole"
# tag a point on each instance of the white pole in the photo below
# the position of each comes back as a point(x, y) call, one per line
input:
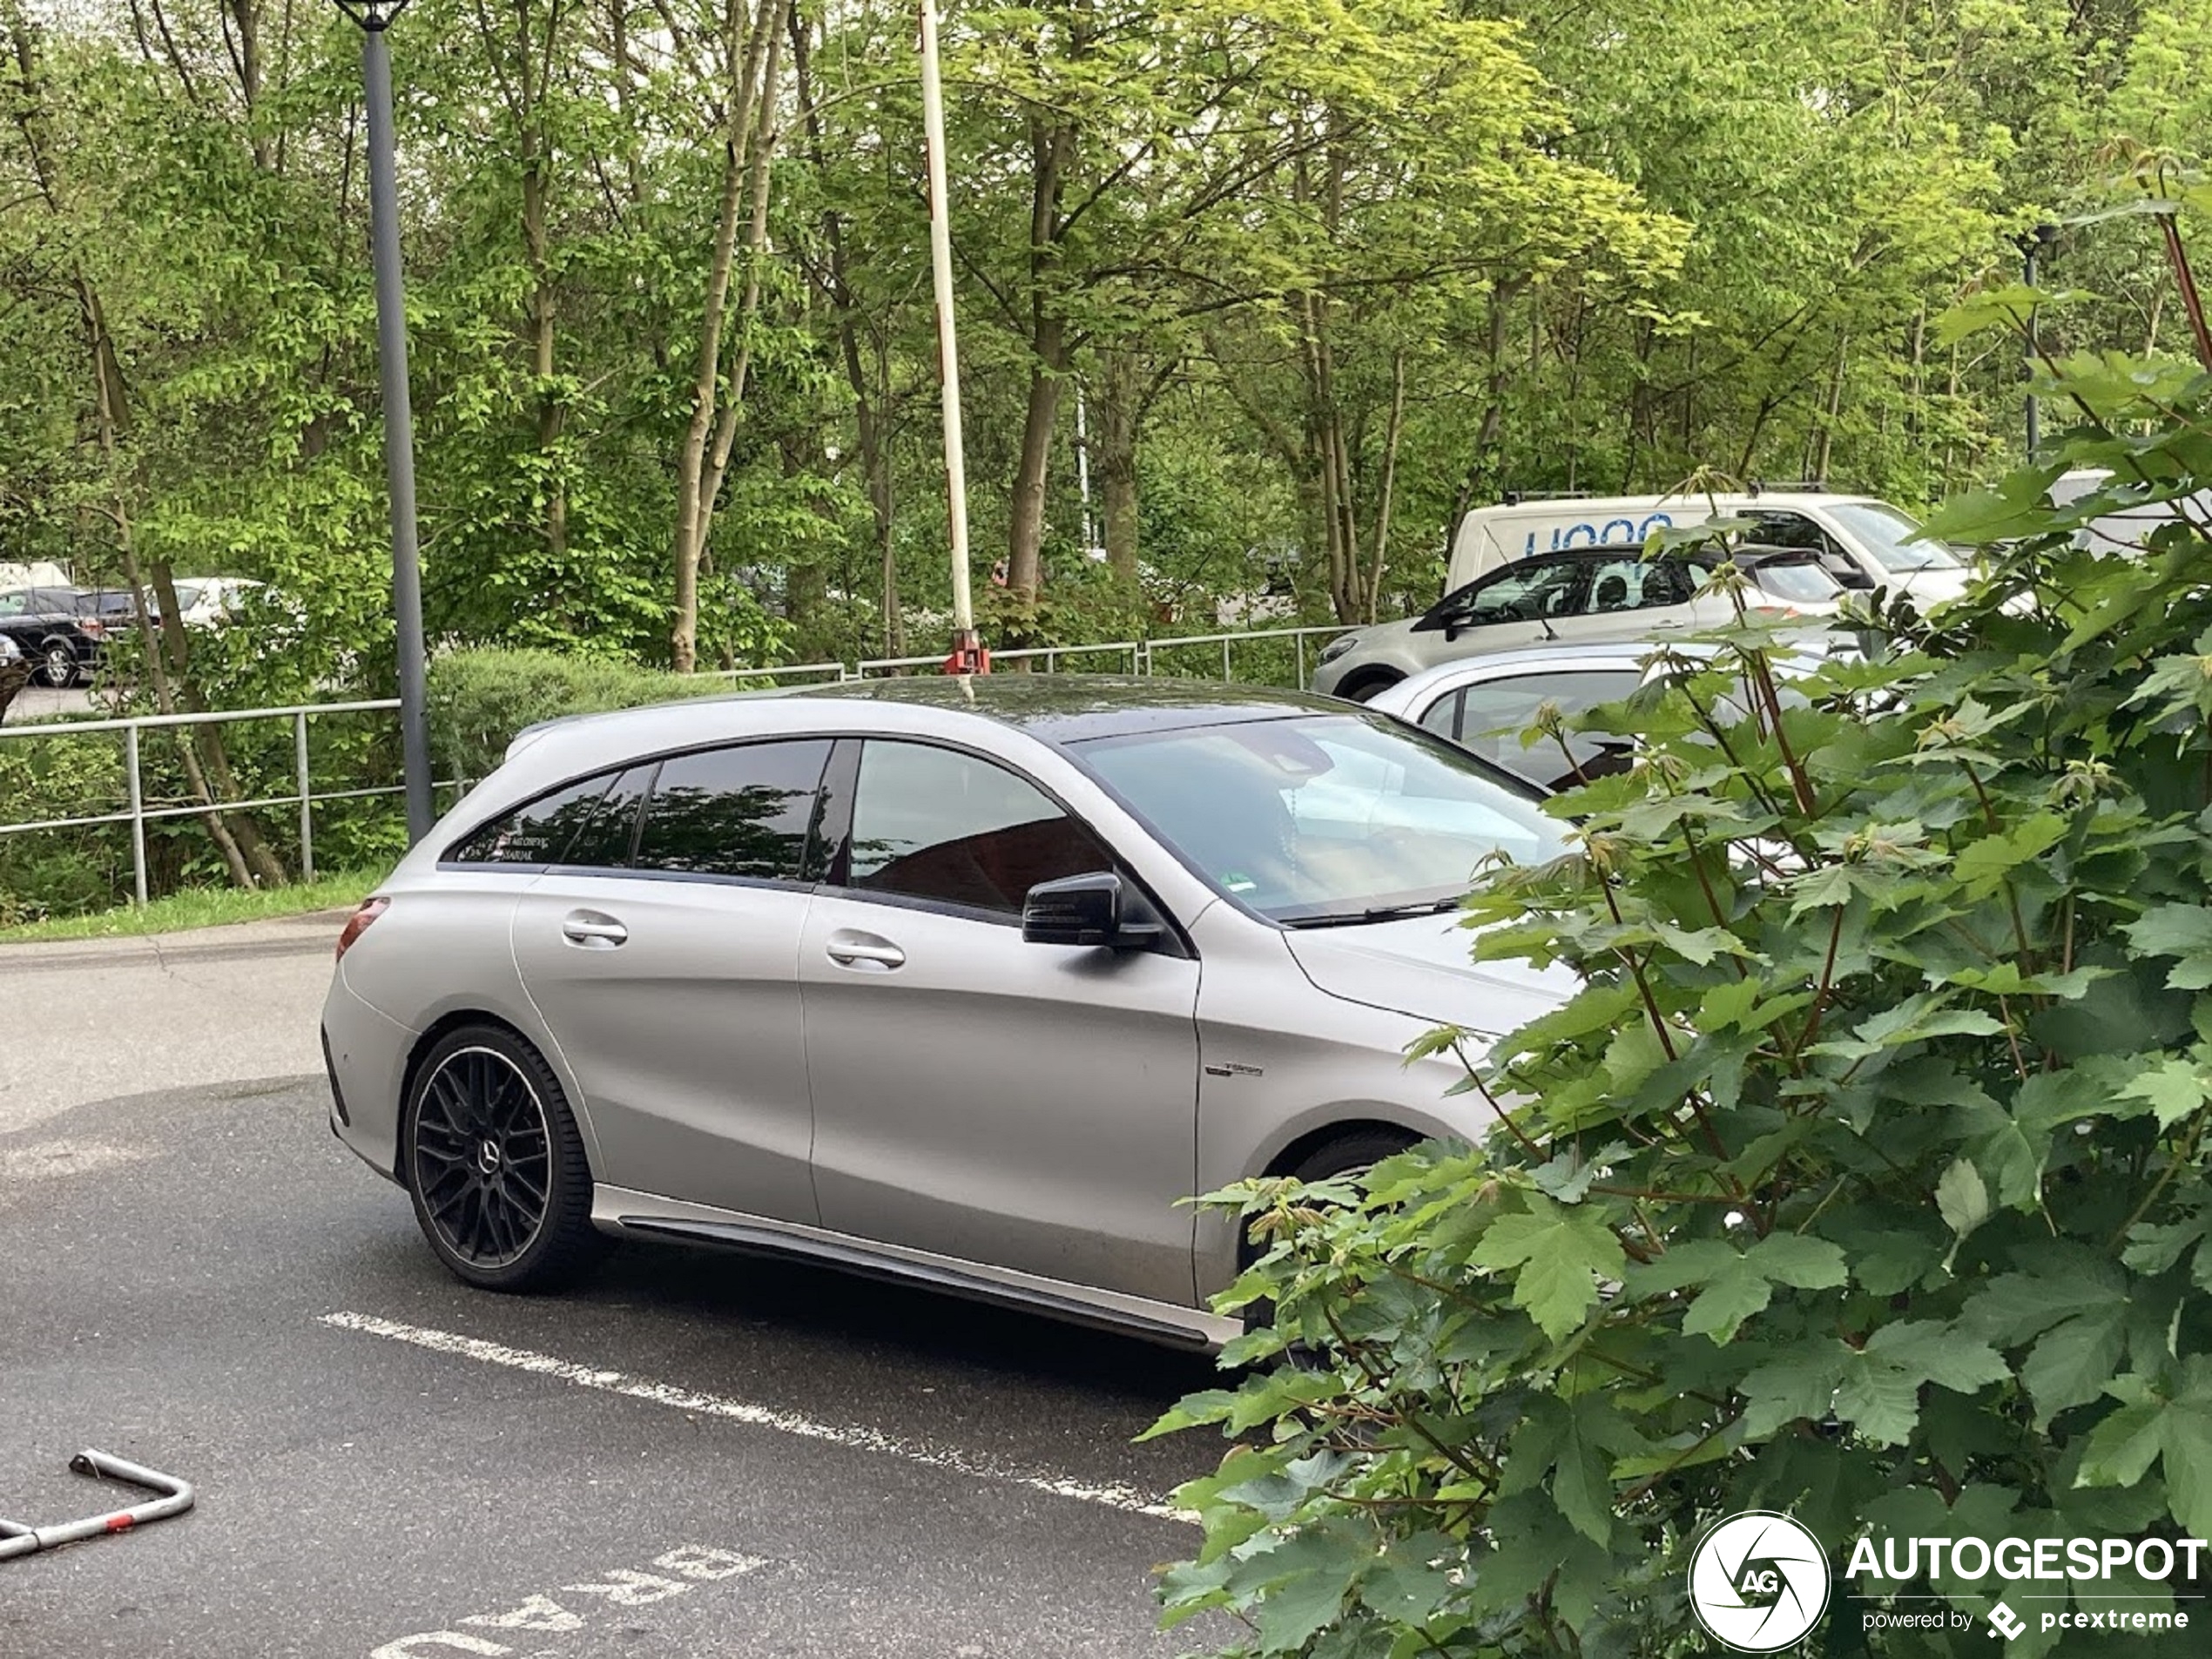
point(940, 271)
point(1083, 472)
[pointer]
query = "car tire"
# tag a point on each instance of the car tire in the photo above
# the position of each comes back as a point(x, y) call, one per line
point(490, 1155)
point(1362, 687)
point(57, 664)
point(1357, 1150)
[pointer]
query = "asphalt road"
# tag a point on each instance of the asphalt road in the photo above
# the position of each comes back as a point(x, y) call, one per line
point(694, 1454)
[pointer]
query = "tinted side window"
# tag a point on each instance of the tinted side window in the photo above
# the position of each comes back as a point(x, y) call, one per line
point(743, 811)
point(538, 832)
point(604, 840)
point(937, 823)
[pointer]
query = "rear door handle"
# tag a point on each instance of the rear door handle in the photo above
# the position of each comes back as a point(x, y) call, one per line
point(592, 929)
point(852, 949)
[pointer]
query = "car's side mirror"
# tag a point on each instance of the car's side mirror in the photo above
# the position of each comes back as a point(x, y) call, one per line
point(1084, 909)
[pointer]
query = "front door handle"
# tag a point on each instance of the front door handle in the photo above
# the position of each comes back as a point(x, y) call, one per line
point(592, 929)
point(852, 949)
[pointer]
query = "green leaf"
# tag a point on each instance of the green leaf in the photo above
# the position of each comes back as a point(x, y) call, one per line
point(1557, 1255)
point(1962, 1200)
point(2123, 1446)
point(1915, 1019)
point(1982, 866)
point(2175, 1089)
point(1800, 1383)
point(2178, 930)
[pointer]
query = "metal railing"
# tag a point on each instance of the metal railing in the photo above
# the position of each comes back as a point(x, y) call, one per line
point(1137, 656)
point(138, 814)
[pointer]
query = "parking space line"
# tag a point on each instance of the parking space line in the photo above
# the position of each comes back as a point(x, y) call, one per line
point(1106, 1496)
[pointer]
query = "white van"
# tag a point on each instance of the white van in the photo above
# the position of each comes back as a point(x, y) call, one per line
point(39, 573)
point(2123, 531)
point(1862, 541)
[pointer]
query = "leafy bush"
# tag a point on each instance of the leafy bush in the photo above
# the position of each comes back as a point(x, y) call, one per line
point(480, 700)
point(1863, 1177)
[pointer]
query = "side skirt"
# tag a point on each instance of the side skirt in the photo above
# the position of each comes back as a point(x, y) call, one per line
point(644, 1215)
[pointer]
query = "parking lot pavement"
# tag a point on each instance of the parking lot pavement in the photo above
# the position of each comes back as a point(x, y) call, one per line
point(88, 1019)
point(694, 1454)
point(43, 702)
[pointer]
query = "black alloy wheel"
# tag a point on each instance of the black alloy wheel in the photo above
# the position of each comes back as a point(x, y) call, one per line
point(495, 1165)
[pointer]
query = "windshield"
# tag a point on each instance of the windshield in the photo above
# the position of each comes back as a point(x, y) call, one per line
point(1323, 818)
point(1803, 581)
point(187, 594)
point(1881, 530)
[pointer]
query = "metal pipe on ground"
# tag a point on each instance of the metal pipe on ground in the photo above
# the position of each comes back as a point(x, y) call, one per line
point(177, 1496)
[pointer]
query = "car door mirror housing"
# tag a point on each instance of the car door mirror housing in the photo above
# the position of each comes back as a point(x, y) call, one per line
point(1086, 909)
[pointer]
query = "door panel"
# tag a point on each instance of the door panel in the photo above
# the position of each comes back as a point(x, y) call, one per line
point(1030, 1106)
point(684, 1032)
point(668, 974)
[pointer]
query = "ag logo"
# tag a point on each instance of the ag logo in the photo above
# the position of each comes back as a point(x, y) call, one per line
point(1758, 1582)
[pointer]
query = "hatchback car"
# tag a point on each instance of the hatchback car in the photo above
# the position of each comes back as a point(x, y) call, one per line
point(964, 982)
point(1573, 598)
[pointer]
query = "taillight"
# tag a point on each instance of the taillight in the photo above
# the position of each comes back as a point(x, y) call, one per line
point(91, 628)
point(357, 924)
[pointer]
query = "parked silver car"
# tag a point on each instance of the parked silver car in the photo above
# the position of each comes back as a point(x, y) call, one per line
point(962, 982)
point(1486, 703)
point(1586, 596)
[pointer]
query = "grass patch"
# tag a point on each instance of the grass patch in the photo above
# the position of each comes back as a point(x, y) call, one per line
point(203, 908)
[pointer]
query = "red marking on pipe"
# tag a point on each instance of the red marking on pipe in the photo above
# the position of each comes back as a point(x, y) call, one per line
point(117, 1523)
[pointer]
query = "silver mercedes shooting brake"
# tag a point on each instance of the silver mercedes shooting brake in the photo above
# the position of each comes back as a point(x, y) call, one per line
point(962, 982)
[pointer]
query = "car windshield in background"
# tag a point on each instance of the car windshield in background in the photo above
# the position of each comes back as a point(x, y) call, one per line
point(1802, 580)
point(1882, 529)
point(1323, 819)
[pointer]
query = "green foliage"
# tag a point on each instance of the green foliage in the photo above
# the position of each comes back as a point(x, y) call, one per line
point(480, 700)
point(48, 872)
point(1863, 1175)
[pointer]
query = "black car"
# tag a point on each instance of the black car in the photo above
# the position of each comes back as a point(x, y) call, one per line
point(60, 629)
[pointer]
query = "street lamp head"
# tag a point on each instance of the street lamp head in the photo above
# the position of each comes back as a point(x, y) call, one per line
point(373, 15)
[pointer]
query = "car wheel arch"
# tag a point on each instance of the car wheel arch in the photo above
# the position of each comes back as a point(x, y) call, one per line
point(453, 1020)
point(1368, 682)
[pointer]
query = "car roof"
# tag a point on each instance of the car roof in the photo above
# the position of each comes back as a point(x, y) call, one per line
point(1053, 709)
point(1723, 501)
point(1067, 708)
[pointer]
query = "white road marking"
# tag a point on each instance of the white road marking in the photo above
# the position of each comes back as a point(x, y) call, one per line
point(624, 1587)
point(1107, 1495)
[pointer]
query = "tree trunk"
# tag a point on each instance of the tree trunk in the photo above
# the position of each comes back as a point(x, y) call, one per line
point(1396, 431)
point(1048, 152)
point(1114, 462)
point(743, 61)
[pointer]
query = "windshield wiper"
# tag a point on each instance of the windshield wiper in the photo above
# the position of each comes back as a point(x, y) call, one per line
point(1376, 912)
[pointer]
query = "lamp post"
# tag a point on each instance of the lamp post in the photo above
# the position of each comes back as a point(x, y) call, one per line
point(2040, 241)
point(374, 17)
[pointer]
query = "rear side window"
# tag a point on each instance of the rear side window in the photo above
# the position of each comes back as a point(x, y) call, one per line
point(1488, 719)
point(744, 811)
point(540, 833)
point(937, 823)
